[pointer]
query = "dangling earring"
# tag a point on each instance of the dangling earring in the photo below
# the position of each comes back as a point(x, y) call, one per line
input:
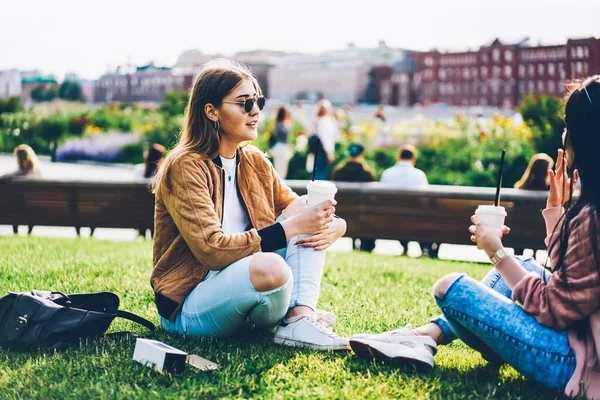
point(218, 127)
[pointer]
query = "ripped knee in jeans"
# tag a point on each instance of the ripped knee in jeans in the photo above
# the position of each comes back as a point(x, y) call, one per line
point(441, 287)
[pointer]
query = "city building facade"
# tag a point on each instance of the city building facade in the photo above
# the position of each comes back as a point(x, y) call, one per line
point(501, 75)
point(146, 83)
point(10, 83)
point(342, 76)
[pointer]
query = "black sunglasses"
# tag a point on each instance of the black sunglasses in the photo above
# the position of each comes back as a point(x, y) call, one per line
point(248, 104)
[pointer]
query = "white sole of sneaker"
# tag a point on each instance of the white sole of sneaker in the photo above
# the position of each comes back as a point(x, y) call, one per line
point(395, 354)
point(298, 343)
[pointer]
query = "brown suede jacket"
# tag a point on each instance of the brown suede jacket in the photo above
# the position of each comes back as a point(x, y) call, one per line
point(189, 241)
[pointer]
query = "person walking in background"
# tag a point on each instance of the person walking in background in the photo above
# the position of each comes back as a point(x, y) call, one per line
point(355, 169)
point(233, 242)
point(405, 175)
point(326, 130)
point(536, 177)
point(28, 166)
point(546, 325)
point(281, 149)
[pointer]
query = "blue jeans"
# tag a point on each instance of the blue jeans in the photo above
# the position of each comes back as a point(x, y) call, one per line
point(221, 304)
point(483, 315)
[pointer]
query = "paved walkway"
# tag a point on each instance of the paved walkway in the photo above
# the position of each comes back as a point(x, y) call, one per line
point(124, 173)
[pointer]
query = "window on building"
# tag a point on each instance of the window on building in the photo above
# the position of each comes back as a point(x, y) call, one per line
point(508, 56)
point(579, 67)
point(551, 69)
point(442, 74)
point(466, 73)
point(530, 87)
point(551, 87)
point(579, 52)
point(496, 73)
point(531, 70)
point(474, 72)
point(496, 55)
point(585, 68)
point(540, 69)
point(586, 52)
point(484, 72)
point(541, 86)
point(484, 89)
point(521, 71)
point(484, 58)
point(507, 71)
point(429, 61)
point(562, 73)
point(522, 87)
point(507, 88)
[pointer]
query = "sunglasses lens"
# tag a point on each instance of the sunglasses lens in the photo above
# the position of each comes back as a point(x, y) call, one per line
point(248, 105)
point(261, 102)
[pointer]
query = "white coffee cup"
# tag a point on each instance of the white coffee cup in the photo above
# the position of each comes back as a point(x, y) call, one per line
point(492, 216)
point(319, 191)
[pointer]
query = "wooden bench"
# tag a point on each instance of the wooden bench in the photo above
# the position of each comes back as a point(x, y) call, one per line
point(436, 214)
point(78, 204)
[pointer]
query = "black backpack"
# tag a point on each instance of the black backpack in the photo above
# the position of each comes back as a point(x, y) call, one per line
point(54, 321)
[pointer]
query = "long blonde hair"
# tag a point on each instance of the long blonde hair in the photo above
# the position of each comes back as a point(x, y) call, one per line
point(536, 175)
point(26, 159)
point(199, 134)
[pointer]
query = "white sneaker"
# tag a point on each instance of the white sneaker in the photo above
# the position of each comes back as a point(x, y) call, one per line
point(326, 318)
point(400, 347)
point(305, 331)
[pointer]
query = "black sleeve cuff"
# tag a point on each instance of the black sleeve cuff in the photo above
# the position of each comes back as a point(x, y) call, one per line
point(272, 237)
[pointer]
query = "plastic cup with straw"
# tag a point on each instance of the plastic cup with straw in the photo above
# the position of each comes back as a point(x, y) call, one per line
point(319, 191)
point(494, 215)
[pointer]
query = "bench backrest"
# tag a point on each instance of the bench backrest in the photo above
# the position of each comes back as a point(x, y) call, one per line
point(372, 210)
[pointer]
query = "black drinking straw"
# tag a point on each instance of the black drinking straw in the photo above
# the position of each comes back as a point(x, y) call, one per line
point(315, 163)
point(499, 183)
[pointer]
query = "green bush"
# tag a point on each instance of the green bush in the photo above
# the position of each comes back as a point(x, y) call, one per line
point(132, 153)
point(544, 115)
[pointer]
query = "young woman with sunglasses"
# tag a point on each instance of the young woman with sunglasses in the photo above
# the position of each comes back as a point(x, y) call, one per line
point(553, 336)
point(233, 243)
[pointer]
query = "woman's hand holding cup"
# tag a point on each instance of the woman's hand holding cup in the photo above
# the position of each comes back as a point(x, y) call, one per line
point(311, 220)
point(487, 238)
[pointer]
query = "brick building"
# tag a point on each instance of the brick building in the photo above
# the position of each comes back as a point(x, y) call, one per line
point(146, 83)
point(501, 74)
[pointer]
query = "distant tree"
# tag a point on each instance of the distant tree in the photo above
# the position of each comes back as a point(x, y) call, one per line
point(38, 94)
point(51, 93)
point(544, 115)
point(69, 90)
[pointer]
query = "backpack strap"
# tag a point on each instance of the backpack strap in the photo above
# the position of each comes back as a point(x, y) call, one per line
point(137, 319)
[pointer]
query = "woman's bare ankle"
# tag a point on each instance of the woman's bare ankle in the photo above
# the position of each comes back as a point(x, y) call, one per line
point(432, 330)
point(298, 310)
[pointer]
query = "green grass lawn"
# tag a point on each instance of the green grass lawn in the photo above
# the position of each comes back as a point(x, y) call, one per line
point(367, 293)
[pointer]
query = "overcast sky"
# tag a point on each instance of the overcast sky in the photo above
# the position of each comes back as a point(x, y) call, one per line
point(88, 36)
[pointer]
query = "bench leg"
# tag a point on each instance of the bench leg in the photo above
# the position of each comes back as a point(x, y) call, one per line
point(92, 229)
point(16, 229)
point(29, 229)
point(78, 230)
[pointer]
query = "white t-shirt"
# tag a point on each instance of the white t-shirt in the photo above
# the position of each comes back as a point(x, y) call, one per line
point(404, 175)
point(235, 217)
